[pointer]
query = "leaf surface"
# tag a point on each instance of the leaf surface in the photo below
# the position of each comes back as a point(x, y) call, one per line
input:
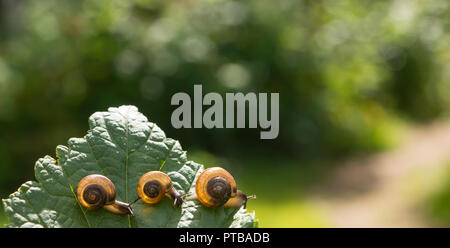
point(122, 145)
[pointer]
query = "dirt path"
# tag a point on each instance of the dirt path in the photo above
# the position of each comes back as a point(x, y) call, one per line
point(388, 189)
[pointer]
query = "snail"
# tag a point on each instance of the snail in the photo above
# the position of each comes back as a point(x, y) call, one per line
point(97, 191)
point(154, 185)
point(216, 187)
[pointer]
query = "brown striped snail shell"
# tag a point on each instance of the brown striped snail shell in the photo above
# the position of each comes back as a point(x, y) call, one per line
point(216, 187)
point(97, 191)
point(154, 185)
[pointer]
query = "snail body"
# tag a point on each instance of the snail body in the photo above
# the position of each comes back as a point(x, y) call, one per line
point(216, 187)
point(96, 191)
point(154, 185)
point(237, 201)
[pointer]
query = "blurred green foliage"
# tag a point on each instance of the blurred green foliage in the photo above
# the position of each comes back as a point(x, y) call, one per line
point(346, 71)
point(438, 208)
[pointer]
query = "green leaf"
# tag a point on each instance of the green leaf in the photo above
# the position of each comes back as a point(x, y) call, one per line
point(122, 145)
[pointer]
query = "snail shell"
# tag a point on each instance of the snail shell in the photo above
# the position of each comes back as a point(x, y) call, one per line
point(154, 185)
point(97, 191)
point(215, 186)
